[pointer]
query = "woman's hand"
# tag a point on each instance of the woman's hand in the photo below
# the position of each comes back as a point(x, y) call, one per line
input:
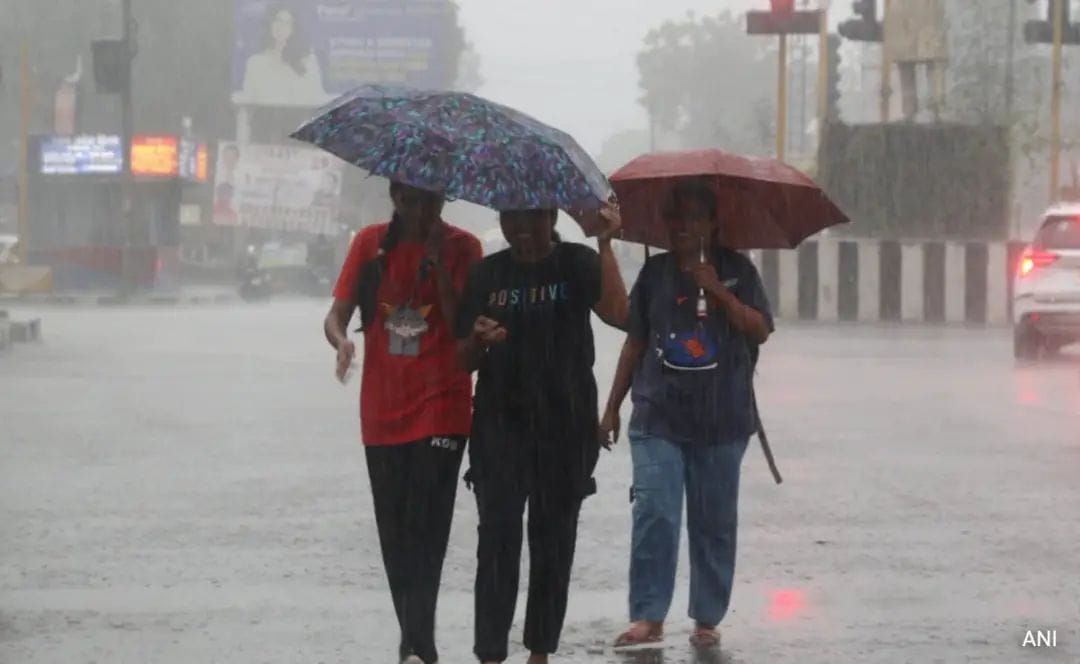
point(346, 353)
point(705, 277)
point(487, 331)
point(609, 429)
point(609, 214)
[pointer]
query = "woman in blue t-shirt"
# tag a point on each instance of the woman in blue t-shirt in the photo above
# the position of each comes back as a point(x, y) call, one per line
point(697, 317)
point(525, 324)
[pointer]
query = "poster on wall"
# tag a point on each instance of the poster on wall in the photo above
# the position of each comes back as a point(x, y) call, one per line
point(277, 187)
point(304, 53)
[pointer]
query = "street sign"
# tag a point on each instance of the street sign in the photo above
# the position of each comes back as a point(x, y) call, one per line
point(803, 22)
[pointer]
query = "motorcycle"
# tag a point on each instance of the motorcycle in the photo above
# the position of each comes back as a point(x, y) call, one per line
point(255, 283)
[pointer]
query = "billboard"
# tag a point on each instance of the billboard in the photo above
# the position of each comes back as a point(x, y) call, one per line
point(155, 156)
point(304, 53)
point(194, 160)
point(277, 187)
point(81, 155)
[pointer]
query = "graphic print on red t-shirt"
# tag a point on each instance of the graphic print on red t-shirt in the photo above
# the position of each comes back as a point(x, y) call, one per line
point(412, 386)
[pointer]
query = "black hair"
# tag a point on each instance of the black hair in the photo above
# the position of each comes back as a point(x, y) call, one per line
point(695, 189)
point(297, 47)
point(365, 292)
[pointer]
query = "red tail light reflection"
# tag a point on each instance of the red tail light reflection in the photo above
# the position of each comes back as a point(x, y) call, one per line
point(786, 604)
point(1032, 259)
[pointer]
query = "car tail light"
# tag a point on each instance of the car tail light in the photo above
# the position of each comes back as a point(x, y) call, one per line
point(1033, 259)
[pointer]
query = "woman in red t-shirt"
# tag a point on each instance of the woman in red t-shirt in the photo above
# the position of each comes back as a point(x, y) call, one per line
point(405, 277)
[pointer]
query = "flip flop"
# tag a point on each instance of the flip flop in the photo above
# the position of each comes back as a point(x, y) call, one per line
point(640, 634)
point(705, 638)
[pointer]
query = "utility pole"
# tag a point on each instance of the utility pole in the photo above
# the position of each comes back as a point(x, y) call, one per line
point(781, 98)
point(1057, 30)
point(1055, 101)
point(126, 132)
point(1010, 64)
point(823, 70)
point(782, 20)
point(886, 68)
point(804, 60)
point(25, 115)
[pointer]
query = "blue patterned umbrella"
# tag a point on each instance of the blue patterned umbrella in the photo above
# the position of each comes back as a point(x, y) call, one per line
point(465, 146)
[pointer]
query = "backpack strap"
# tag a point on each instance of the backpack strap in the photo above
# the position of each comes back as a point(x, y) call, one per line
point(764, 439)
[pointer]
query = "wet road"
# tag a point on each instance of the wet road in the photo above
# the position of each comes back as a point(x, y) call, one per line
point(186, 485)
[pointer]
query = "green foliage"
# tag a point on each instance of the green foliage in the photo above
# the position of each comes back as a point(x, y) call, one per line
point(709, 82)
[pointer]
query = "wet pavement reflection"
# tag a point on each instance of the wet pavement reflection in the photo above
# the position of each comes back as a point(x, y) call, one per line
point(187, 485)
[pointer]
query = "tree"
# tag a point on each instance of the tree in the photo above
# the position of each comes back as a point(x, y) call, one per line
point(707, 80)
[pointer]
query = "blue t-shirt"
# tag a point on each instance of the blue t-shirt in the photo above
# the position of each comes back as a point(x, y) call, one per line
point(695, 381)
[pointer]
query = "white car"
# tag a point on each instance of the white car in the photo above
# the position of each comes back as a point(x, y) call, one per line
point(1046, 288)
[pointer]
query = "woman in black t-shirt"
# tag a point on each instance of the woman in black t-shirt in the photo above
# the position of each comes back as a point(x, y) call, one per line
point(524, 324)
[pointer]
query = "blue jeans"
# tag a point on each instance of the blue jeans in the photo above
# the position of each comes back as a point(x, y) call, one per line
point(709, 476)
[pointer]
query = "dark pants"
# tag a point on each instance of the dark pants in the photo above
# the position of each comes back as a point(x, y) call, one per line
point(553, 521)
point(414, 486)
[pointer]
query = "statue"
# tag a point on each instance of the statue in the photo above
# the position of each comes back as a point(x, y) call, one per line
point(915, 34)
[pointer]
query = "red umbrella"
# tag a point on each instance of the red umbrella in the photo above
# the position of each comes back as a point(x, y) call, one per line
point(762, 203)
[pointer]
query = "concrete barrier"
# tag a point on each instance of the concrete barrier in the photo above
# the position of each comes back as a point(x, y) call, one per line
point(869, 281)
point(910, 281)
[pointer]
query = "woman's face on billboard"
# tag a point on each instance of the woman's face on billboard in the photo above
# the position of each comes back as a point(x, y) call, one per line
point(282, 27)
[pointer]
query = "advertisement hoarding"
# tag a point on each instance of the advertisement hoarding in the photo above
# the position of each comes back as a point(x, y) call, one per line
point(303, 53)
point(155, 156)
point(277, 187)
point(82, 155)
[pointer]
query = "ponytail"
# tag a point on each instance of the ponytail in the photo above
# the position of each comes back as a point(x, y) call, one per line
point(365, 292)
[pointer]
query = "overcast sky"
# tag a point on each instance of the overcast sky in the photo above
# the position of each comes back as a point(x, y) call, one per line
point(572, 63)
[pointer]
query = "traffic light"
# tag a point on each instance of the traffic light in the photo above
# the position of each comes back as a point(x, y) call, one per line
point(112, 66)
point(865, 28)
point(832, 89)
point(1042, 32)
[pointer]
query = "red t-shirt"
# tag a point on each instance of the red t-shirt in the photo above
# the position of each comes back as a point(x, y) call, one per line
point(412, 386)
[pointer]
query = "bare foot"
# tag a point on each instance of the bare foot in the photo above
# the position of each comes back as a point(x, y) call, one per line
point(537, 659)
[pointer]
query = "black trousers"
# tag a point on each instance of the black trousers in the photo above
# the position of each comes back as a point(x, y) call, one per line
point(550, 472)
point(414, 487)
point(552, 529)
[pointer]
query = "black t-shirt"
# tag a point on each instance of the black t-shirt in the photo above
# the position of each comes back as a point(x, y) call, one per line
point(541, 377)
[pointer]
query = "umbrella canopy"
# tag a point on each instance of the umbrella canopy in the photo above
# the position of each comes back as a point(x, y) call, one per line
point(459, 144)
point(762, 203)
